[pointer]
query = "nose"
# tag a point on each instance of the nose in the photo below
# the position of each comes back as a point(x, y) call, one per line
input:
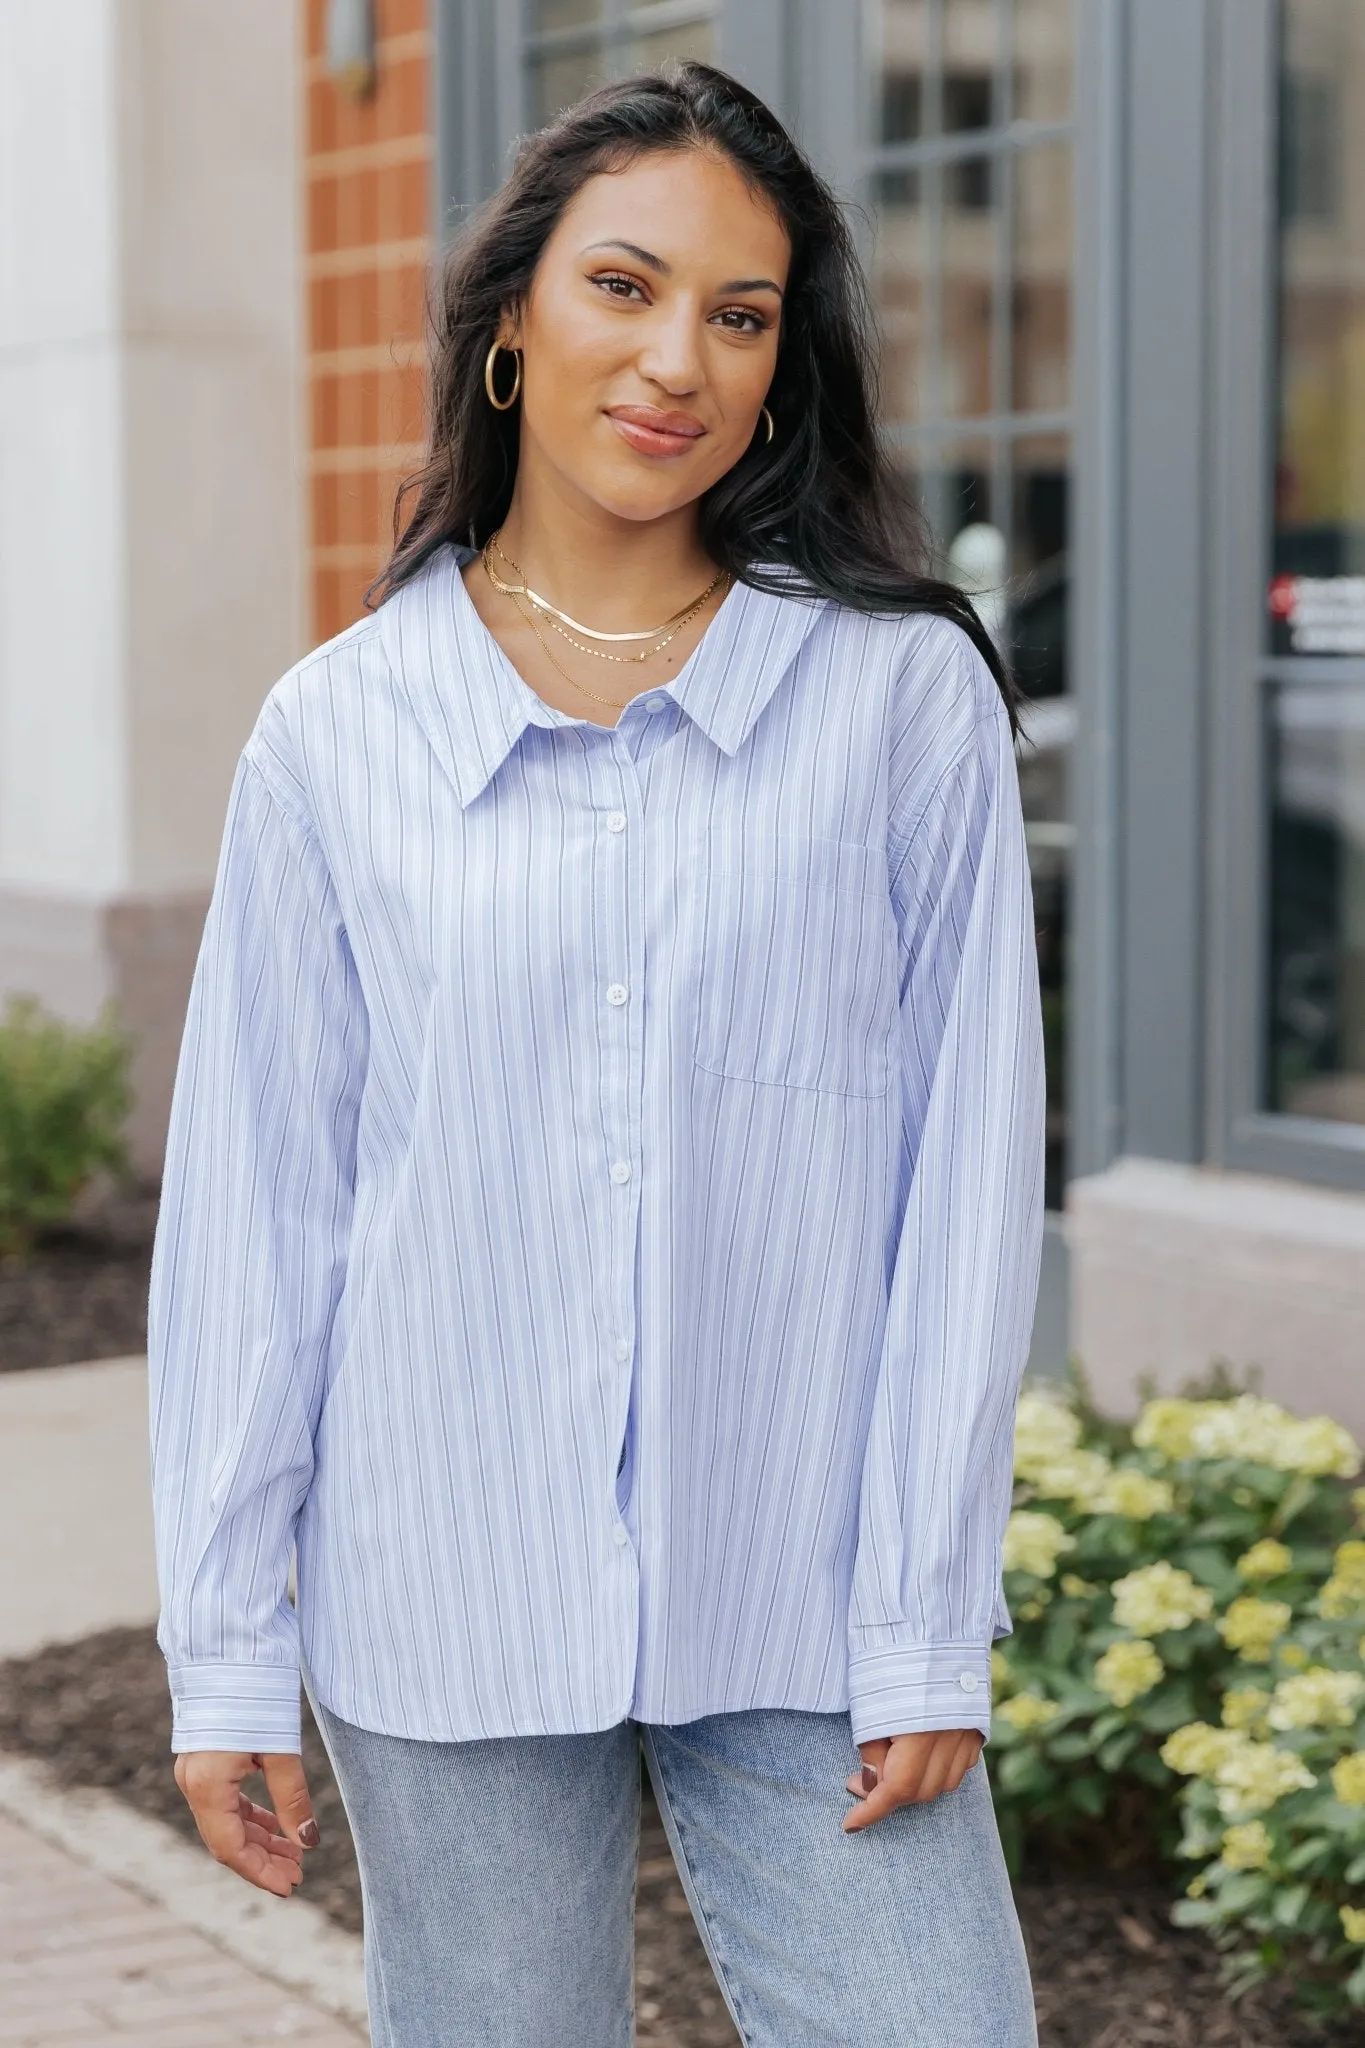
point(671, 354)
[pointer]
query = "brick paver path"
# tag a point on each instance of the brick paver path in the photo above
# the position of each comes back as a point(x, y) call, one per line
point(85, 1961)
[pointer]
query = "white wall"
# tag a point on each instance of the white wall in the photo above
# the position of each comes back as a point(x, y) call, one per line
point(151, 503)
point(152, 496)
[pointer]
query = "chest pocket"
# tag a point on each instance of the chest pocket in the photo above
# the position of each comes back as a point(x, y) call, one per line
point(797, 975)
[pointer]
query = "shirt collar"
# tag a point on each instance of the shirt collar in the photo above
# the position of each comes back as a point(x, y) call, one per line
point(474, 707)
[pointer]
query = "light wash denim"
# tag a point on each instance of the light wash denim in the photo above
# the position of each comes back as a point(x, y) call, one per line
point(499, 1888)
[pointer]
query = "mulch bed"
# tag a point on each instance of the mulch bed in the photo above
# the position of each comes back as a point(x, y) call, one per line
point(1109, 1971)
point(82, 1294)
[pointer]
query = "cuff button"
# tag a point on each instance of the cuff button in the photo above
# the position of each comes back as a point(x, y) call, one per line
point(968, 1680)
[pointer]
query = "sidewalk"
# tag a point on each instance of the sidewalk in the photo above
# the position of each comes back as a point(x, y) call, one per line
point(85, 1961)
point(75, 1503)
point(111, 1927)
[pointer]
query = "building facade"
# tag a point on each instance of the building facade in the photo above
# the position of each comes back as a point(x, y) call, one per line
point(1118, 256)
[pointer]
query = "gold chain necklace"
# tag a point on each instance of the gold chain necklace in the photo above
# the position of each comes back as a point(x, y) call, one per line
point(659, 634)
point(526, 613)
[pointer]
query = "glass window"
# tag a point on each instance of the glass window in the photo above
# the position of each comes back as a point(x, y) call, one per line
point(969, 171)
point(1314, 1063)
point(576, 44)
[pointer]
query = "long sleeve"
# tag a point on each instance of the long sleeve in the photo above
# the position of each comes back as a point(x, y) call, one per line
point(247, 1267)
point(927, 1597)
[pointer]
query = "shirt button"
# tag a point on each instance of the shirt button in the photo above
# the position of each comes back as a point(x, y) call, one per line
point(623, 1347)
point(620, 1169)
point(968, 1680)
point(655, 703)
point(618, 1534)
point(617, 993)
point(616, 821)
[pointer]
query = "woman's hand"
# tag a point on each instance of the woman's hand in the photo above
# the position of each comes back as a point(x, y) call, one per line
point(909, 1770)
point(263, 1847)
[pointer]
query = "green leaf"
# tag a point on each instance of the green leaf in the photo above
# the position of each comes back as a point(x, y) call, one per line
point(1070, 1748)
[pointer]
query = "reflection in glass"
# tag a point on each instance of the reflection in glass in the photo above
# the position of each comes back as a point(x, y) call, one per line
point(971, 49)
point(1039, 506)
point(1316, 606)
point(558, 81)
point(1044, 35)
point(968, 245)
point(646, 53)
point(551, 14)
point(1041, 265)
point(1315, 1063)
point(897, 279)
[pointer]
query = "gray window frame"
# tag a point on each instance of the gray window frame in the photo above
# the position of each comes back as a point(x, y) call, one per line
point(1240, 1132)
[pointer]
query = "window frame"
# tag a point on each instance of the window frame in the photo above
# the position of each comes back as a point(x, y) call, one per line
point(1239, 1132)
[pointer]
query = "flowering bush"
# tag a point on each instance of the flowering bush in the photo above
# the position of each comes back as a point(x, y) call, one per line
point(1186, 1675)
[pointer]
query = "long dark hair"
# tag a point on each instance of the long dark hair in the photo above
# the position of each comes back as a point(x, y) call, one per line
point(823, 499)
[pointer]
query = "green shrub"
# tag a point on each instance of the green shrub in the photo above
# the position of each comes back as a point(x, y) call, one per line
point(64, 1095)
point(1187, 1672)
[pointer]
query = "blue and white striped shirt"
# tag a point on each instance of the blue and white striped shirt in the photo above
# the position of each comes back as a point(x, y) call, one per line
point(603, 1194)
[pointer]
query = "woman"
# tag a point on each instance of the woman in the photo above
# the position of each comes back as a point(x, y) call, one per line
point(602, 1203)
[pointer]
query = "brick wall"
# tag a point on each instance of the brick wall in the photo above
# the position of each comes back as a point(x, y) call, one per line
point(369, 181)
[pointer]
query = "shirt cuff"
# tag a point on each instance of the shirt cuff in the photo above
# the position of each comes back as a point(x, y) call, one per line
point(255, 1707)
point(908, 1687)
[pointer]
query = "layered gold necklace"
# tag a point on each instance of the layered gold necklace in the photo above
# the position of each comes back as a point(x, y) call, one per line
point(534, 608)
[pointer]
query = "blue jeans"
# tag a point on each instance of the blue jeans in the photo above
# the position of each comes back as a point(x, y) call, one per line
point(499, 1888)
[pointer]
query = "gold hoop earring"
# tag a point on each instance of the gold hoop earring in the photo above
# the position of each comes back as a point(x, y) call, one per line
point(501, 404)
point(769, 418)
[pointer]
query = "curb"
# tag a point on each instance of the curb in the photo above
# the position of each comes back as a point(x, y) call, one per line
point(292, 1942)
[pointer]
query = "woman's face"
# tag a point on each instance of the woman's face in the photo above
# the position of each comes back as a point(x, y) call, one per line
point(650, 334)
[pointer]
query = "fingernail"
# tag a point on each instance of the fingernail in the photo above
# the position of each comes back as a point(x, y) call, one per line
point(309, 1834)
point(869, 1777)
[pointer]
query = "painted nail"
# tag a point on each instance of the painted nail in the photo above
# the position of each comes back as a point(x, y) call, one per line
point(869, 1777)
point(309, 1834)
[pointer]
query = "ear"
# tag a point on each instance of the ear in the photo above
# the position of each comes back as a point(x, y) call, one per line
point(509, 328)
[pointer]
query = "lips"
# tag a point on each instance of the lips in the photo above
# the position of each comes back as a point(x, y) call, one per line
point(653, 431)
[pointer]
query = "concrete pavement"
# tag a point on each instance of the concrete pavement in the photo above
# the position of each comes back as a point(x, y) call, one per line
point(75, 1507)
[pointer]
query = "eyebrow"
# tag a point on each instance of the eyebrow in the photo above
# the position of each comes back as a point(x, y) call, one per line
point(662, 269)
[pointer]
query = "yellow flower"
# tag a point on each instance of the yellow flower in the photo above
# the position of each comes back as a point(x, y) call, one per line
point(1251, 1626)
point(1318, 1698)
point(1033, 1610)
point(1033, 1543)
point(1126, 1670)
point(1026, 1710)
point(1045, 1429)
point(1246, 1846)
point(1244, 1707)
point(1293, 1658)
point(1266, 1434)
point(1248, 1427)
point(1265, 1560)
point(1076, 1588)
point(1353, 1922)
point(1197, 1886)
point(1158, 1597)
point(1317, 1446)
point(1078, 1476)
point(1345, 1590)
point(1254, 1775)
point(1001, 1675)
point(1165, 1425)
point(1250, 1776)
point(1348, 1779)
point(1197, 1749)
point(1134, 1495)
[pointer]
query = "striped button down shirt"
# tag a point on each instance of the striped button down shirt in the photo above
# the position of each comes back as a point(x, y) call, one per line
point(602, 1204)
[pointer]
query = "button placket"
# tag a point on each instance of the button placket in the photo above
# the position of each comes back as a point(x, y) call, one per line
point(622, 1081)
